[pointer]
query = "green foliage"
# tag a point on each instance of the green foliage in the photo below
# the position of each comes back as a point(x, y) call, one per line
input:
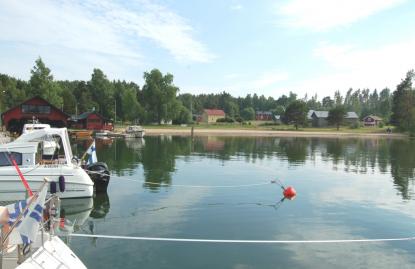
point(336, 116)
point(42, 84)
point(355, 125)
point(228, 120)
point(248, 113)
point(102, 92)
point(159, 96)
point(381, 125)
point(296, 113)
point(403, 104)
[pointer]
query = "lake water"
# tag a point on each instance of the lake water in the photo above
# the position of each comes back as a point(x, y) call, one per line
point(347, 189)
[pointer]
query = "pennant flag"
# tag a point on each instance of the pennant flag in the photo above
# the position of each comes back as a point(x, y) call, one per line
point(92, 154)
point(26, 229)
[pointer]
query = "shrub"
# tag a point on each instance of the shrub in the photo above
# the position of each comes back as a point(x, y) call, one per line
point(381, 125)
point(355, 125)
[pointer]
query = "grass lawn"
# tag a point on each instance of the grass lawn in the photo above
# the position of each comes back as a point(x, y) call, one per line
point(260, 125)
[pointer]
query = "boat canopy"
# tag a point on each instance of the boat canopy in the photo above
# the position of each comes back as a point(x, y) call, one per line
point(27, 147)
point(43, 134)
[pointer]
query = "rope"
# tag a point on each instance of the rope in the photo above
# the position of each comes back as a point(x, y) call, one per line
point(196, 240)
point(186, 185)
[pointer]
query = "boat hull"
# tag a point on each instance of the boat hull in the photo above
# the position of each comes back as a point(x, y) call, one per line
point(77, 182)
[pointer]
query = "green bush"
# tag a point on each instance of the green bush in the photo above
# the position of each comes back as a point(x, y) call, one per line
point(229, 120)
point(381, 125)
point(355, 125)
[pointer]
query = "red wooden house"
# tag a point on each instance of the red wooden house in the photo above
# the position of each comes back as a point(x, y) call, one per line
point(263, 115)
point(31, 109)
point(91, 121)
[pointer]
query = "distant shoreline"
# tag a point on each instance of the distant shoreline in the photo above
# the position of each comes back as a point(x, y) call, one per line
point(267, 133)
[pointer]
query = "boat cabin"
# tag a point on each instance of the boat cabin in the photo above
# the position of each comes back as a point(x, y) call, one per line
point(29, 127)
point(47, 146)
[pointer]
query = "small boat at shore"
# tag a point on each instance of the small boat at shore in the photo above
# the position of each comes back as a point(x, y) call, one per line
point(134, 131)
point(38, 154)
point(79, 134)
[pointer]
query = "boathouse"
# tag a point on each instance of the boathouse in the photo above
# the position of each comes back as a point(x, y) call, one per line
point(91, 121)
point(35, 108)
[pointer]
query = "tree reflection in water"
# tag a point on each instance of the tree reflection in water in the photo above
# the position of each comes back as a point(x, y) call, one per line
point(158, 155)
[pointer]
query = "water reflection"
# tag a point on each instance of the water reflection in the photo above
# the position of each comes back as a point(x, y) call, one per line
point(158, 155)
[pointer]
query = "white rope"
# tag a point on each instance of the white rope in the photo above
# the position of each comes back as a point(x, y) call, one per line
point(186, 185)
point(195, 240)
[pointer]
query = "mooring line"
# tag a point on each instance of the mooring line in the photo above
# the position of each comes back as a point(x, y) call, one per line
point(196, 240)
point(189, 186)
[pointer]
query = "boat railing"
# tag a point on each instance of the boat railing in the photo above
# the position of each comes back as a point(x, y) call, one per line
point(47, 224)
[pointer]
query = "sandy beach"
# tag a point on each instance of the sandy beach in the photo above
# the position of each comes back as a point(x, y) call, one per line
point(270, 133)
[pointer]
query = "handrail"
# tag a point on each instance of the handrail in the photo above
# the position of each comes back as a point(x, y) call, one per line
point(32, 199)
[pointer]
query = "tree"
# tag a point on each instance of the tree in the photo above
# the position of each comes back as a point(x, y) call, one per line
point(102, 91)
point(248, 113)
point(69, 102)
point(42, 84)
point(402, 103)
point(133, 111)
point(159, 95)
point(336, 116)
point(327, 102)
point(296, 113)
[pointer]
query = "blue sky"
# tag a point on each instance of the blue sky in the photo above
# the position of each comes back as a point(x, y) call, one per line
point(263, 47)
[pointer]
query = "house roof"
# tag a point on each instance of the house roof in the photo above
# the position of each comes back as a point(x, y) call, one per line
point(325, 114)
point(85, 115)
point(320, 114)
point(351, 115)
point(263, 113)
point(36, 97)
point(373, 117)
point(214, 112)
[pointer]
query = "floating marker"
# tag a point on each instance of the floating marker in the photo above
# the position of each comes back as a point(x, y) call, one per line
point(289, 193)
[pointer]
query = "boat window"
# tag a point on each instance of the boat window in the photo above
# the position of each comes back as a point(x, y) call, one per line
point(6, 161)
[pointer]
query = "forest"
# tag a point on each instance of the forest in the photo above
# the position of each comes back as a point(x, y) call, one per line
point(159, 100)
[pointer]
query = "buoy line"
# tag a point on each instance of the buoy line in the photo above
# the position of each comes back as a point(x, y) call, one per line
point(196, 240)
point(189, 186)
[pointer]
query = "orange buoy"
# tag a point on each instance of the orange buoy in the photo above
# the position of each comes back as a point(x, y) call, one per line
point(289, 193)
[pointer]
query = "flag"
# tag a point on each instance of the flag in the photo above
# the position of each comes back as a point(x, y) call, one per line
point(92, 154)
point(26, 229)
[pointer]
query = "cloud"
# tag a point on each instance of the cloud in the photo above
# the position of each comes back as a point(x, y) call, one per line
point(236, 7)
point(352, 67)
point(162, 26)
point(94, 32)
point(321, 15)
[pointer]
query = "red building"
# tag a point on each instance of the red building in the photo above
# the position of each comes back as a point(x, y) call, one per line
point(33, 108)
point(91, 121)
point(263, 115)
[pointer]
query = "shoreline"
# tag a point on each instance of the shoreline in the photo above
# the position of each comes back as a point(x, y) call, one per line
point(267, 133)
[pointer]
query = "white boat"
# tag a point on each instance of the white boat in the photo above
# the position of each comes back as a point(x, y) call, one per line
point(102, 134)
point(134, 131)
point(46, 251)
point(33, 154)
point(30, 127)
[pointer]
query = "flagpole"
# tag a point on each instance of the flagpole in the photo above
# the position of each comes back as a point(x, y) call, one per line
point(86, 152)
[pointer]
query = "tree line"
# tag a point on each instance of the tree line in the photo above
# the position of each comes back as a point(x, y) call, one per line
point(160, 101)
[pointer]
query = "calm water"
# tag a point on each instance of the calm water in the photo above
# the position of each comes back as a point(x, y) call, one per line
point(348, 188)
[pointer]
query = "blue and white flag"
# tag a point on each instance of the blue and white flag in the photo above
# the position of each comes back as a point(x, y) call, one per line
point(26, 229)
point(92, 152)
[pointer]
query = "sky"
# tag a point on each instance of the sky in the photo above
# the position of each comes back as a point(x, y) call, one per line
point(263, 47)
